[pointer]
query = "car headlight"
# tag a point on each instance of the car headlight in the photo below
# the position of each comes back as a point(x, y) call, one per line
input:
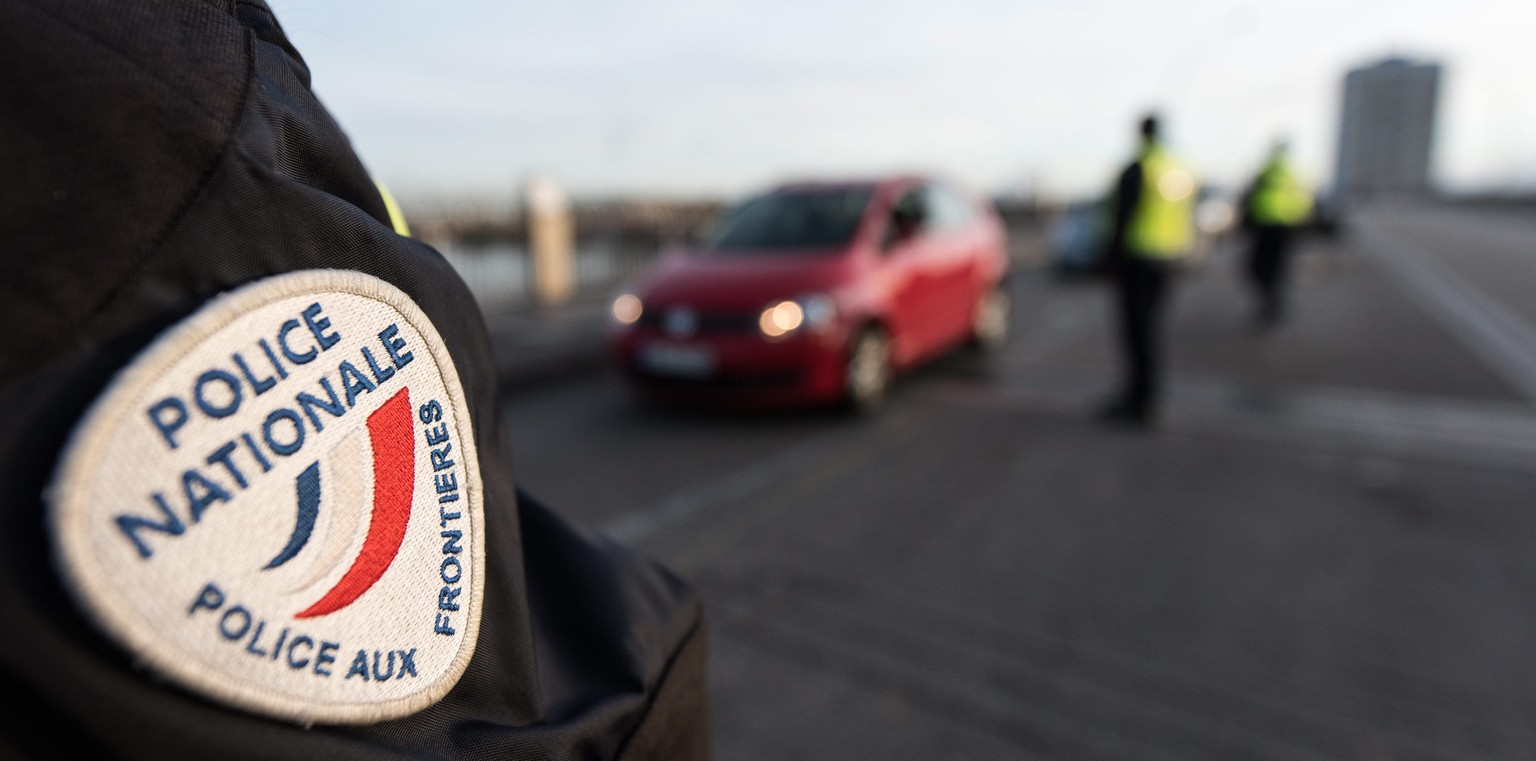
point(626, 309)
point(781, 318)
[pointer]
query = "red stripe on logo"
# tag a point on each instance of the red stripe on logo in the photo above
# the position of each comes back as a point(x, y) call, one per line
point(394, 480)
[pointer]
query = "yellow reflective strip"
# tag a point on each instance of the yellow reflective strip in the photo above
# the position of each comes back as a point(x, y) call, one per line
point(396, 219)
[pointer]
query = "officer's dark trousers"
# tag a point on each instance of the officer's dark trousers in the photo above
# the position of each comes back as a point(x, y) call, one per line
point(1268, 261)
point(1142, 287)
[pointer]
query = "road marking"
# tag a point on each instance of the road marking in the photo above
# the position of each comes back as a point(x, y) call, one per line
point(729, 489)
point(1505, 341)
point(1490, 434)
point(1482, 434)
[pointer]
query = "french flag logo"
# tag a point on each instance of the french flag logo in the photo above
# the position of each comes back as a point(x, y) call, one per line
point(342, 493)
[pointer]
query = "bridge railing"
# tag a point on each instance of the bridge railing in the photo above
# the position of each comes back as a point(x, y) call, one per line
point(500, 274)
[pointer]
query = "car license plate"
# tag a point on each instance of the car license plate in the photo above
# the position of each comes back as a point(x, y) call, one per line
point(680, 361)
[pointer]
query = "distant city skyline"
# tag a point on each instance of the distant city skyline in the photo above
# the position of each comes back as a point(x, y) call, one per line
point(678, 98)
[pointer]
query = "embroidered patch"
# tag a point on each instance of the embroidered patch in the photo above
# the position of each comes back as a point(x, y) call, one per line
point(278, 503)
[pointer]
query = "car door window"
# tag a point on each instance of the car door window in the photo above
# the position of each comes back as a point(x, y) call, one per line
point(949, 211)
point(909, 218)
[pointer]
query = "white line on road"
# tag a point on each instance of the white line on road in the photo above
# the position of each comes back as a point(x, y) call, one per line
point(1500, 337)
point(1484, 433)
point(730, 489)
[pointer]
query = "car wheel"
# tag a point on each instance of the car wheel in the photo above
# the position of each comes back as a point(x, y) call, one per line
point(989, 327)
point(867, 375)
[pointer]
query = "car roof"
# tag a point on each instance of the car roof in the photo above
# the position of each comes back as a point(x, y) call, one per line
point(803, 186)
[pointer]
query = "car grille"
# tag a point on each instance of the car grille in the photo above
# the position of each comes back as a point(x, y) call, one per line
point(764, 382)
point(709, 322)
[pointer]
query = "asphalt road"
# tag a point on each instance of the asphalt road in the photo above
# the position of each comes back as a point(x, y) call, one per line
point(1329, 551)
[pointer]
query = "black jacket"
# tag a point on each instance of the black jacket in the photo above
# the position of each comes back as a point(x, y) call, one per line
point(155, 155)
point(1127, 197)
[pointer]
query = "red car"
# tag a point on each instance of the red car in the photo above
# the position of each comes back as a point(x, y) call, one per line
point(817, 292)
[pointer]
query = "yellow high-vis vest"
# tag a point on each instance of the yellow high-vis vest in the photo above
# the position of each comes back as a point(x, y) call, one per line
point(1278, 197)
point(396, 219)
point(1162, 226)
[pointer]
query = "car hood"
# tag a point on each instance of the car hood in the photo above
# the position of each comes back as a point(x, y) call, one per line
point(742, 280)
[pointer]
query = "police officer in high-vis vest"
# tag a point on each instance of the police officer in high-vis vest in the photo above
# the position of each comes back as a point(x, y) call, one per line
point(1274, 206)
point(1152, 229)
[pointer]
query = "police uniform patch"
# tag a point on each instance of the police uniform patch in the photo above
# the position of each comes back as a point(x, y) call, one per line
point(278, 503)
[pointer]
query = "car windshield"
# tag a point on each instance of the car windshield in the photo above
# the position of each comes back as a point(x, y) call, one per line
point(799, 219)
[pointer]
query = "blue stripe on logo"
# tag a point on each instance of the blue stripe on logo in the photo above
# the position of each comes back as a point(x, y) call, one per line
point(308, 487)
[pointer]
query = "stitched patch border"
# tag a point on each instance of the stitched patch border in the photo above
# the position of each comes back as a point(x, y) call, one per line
point(399, 456)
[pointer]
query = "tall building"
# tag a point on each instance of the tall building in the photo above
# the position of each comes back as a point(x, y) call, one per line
point(1387, 128)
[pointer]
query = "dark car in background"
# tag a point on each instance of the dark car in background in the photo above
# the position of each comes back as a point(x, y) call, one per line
point(817, 292)
point(1079, 237)
point(1329, 217)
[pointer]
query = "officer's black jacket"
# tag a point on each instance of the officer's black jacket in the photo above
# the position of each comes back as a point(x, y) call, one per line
point(1127, 197)
point(152, 156)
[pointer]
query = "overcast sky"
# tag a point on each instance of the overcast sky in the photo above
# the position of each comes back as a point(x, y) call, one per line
point(685, 97)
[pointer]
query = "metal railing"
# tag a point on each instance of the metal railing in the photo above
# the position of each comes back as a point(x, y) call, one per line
point(500, 275)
